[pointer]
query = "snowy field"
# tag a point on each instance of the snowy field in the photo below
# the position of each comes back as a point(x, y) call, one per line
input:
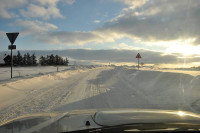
point(42, 89)
point(28, 72)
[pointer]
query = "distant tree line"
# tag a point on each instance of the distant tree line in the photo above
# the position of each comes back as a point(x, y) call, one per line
point(19, 60)
point(53, 60)
point(31, 60)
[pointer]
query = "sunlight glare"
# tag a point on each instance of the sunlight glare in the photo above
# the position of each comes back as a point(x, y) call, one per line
point(184, 49)
point(183, 46)
point(180, 113)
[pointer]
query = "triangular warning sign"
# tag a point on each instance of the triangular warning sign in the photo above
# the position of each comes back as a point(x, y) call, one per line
point(138, 56)
point(12, 37)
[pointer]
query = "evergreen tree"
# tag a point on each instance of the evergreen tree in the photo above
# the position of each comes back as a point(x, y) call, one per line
point(33, 59)
point(15, 63)
point(51, 60)
point(19, 58)
point(57, 60)
point(24, 59)
point(47, 60)
point(66, 61)
point(42, 60)
point(62, 61)
point(28, 58)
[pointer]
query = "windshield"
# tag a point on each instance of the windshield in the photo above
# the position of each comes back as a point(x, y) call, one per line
point(65, 55)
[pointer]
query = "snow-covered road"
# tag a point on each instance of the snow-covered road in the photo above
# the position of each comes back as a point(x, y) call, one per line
point(100, 87)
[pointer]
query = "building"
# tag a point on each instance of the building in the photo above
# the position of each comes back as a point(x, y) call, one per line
point(7, 60)
point(2, 61)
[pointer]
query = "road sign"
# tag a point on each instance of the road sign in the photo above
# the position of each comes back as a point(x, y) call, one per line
point(11, 46)
point(138, 56)
point(12, 37)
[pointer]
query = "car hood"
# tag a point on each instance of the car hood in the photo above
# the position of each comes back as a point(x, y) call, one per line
point(94, 119)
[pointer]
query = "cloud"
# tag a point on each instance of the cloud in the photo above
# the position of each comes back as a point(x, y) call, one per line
point(2, 33)
point(69, 2)
point(72, 38)
point(45, 9)
point(34, 27)
point(125, 46)
point(9, 4)
point(150, 23)
point(41, 12)
point(47, 2)
point(147, 23)
point(38, 8)
point(132, 3)
point(96, 21)
point(54, 2)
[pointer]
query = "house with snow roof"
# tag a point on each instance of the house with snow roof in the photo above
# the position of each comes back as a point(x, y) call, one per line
point(2, 62)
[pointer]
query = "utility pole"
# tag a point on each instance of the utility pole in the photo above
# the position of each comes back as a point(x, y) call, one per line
point(12, 37)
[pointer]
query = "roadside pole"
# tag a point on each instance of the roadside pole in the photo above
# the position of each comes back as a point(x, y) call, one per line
point(11, 63)
point(12, 37)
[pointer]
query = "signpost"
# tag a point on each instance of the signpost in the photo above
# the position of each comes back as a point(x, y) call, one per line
point(12, 37)
point(138, 56)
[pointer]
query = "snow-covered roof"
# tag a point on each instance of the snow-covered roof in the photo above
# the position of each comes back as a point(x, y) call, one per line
point(1, 59)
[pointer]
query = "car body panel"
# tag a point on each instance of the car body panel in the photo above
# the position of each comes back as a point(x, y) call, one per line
point(76, 120)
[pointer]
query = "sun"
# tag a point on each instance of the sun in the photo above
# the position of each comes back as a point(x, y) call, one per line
point(188, 50)
point(184, 49)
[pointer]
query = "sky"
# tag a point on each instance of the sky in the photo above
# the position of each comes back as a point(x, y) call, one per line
point(170, 27)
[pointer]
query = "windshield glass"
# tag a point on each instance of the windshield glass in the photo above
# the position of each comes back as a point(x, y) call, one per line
point(64, 55)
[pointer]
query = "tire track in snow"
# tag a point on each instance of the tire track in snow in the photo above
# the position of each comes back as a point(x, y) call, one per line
point(46, 99)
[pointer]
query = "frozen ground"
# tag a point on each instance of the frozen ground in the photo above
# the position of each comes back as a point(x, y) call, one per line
point(97, 87)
